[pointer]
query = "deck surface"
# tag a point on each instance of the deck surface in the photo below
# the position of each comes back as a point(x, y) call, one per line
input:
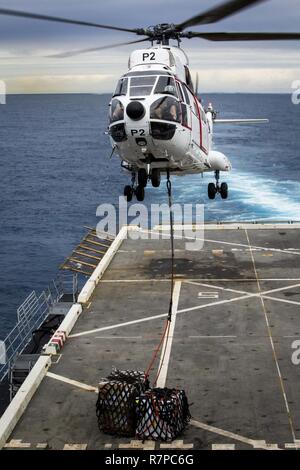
point(237, 305)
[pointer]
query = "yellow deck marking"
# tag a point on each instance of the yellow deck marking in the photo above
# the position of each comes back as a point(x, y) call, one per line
point(147, 445)
point(75, 447)
point(223, 447)
point(17, 444)
point(178, 444)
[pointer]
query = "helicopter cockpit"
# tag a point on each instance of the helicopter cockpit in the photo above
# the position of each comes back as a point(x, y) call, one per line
point(140, 85)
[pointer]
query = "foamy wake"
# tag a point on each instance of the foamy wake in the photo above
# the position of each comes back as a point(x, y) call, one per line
point(250, 197)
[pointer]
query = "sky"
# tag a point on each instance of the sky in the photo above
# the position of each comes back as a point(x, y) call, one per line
point(222, 67)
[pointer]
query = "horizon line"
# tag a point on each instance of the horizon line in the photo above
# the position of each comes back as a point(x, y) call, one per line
point(111, 93)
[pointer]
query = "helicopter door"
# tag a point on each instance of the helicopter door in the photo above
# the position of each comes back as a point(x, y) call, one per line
point(202, 129)
point(205, 135)
point(196, 129)
point(185, 108)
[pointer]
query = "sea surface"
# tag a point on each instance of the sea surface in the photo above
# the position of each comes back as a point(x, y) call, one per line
point(55, 171)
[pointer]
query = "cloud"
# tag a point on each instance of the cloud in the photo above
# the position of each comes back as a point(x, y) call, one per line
point(57, 84)
point(263, 80)
point(236, 67)
point(223, 80)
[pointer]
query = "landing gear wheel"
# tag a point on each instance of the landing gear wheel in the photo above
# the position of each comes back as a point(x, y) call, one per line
point(211, 191)
point(155, 178)
point(142, 177)
point(128, 193)
point(140, 193)
point(224, 191)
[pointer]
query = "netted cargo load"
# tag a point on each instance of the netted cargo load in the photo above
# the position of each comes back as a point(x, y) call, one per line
point(162, 414)
point(116, 402)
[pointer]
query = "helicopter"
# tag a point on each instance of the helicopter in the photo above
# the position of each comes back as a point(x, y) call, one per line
point(157, 123)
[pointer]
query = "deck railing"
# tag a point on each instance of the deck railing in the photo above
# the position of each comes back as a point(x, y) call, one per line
point(30, 316)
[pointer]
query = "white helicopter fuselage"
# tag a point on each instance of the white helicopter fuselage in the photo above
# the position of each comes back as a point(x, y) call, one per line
point(157, 121)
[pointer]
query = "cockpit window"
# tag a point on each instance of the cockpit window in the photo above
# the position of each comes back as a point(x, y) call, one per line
point(116, 111)
point(142, 86)
point(166, 85)
point(167, 109)
point(142, 81)
point(122, 87)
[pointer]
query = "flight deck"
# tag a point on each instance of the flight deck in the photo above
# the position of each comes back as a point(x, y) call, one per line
point(235, 319)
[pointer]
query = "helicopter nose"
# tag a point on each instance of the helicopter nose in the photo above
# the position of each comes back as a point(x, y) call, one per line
point(135, 110)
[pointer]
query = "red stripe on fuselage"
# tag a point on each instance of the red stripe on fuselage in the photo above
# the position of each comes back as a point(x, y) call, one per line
point(200, 125)
point(199, 115)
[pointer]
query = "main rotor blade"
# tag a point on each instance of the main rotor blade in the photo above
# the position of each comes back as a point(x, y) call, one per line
point(244, 36)
point(34, 16)
point(218, 13)
point(94, 49)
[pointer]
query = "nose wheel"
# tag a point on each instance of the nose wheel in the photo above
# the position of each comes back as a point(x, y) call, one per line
point(140, 193)
point(142, 177)
point(155, 178)
point(139, 190)
point(214, 189)
point(128, 192)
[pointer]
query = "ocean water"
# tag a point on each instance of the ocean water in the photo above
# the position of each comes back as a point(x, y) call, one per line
point(55, 171)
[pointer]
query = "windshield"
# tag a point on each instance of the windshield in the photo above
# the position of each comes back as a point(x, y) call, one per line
point(122, 87)
point(166, 108)
point(166, 86)
point(116, 111)
point(142, 86)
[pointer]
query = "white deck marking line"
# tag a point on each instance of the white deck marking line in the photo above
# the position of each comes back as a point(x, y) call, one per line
point(168, 341)
point(247, 295)
point(200, 307)
point(219, 242)
point(212, 337)
point(272, 345)
point(61, 378)
point(236, 437)
point(199, 280)
point(293, 302)
point(201, 284)
point(258, 294)
point(279, 289)
point(118, 337)
point(262, 248)
point(118, 325)
point(220, 302)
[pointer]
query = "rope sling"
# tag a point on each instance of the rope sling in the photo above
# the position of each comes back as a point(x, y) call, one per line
point(167, 325)
point(126, 404)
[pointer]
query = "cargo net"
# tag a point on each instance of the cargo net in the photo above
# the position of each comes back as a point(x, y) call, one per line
point(162, 414)
point(116, 402)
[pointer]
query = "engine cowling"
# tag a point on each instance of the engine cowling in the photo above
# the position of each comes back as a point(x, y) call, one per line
point(219, 161)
